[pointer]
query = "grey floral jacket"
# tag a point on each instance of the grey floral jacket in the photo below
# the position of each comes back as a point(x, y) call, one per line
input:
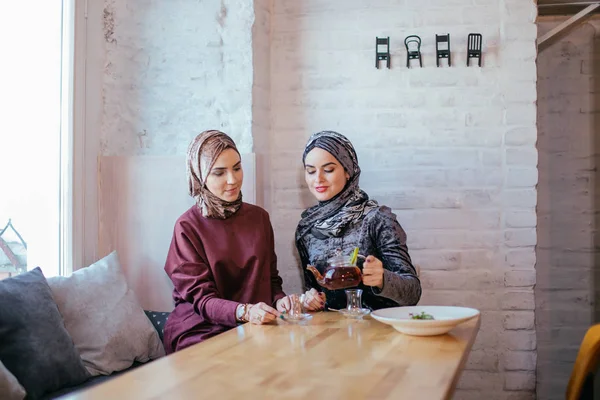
point(378, 234)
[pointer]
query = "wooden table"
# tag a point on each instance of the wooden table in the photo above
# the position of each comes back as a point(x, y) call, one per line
point(330, 357)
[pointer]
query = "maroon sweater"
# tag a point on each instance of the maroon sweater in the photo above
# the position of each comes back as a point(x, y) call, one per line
point(215, 265)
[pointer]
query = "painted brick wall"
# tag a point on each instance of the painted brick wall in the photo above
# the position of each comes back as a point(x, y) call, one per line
point(261, 98)
point(173, 69)
point(451, 150)
point(567, 254)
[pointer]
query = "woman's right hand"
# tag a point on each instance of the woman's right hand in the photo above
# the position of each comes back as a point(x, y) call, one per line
point(261, 313)
point(313, 300)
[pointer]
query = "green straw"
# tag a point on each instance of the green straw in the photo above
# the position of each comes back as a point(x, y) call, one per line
point(354, 256)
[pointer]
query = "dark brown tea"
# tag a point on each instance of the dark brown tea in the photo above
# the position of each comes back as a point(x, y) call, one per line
point(341, 278)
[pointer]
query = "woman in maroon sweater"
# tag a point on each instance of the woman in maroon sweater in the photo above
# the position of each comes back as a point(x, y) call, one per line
point(221, 260)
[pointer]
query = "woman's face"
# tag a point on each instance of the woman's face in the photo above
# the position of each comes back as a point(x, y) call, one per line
point(324, 174)
point(225, 178)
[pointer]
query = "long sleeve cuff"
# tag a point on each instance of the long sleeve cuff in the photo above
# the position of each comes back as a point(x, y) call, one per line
point(404, 289)
point(221, 312)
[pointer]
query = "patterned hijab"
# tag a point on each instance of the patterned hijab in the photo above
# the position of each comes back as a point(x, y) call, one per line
point(330, 218)
point(201, 157)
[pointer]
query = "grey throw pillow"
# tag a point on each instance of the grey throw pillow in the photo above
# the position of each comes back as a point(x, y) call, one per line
point(105, 320)
point(34, 344)
point(10, 388)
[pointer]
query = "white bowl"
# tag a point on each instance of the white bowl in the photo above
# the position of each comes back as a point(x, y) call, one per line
point(445, 319)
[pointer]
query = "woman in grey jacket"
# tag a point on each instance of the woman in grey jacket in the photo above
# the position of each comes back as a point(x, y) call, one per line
point(346, 218)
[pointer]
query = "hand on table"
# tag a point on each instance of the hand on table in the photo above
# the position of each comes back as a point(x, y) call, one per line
point(261, 313)
point(284, 304)
point(313, 300)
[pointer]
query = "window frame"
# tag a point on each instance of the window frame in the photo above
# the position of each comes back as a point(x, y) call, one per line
point(75, 175)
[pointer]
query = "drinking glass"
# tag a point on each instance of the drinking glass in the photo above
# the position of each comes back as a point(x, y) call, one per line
point(296, 308)
point(354, 300)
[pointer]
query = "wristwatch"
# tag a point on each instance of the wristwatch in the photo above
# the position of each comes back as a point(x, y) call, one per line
point(240, 311)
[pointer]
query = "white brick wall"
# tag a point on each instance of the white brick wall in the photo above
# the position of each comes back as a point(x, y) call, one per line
point(173, 69)
point(567, 271)
point(261, 98)
point(451, 150)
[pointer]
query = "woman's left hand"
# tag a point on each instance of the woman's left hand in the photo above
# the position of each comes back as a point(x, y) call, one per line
point(313, 300)
point(373, 272)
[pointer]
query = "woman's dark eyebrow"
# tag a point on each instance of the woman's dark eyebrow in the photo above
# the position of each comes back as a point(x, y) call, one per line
point(322, 166)
point(237, 164)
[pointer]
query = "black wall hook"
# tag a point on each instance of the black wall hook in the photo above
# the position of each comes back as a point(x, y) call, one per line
point(474, 43)
point(442, 48)
point(413, 49)
point(384, 54)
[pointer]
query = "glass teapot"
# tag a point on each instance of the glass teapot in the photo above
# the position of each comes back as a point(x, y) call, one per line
point(341, 273)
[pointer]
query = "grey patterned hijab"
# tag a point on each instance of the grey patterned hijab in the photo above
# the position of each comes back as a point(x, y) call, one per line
point(330, 218)
point(201, 157)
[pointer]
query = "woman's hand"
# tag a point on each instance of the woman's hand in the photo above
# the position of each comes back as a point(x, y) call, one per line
point(313, 300)
point(284, 304)
point(373, 272)
point(260, 314)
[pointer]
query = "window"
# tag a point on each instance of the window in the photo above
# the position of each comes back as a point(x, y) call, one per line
point(35, 135)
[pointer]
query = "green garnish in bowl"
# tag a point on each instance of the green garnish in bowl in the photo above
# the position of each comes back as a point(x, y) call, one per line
point(423, 315)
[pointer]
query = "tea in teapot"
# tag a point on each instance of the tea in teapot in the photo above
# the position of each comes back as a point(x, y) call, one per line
point(341, 273)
